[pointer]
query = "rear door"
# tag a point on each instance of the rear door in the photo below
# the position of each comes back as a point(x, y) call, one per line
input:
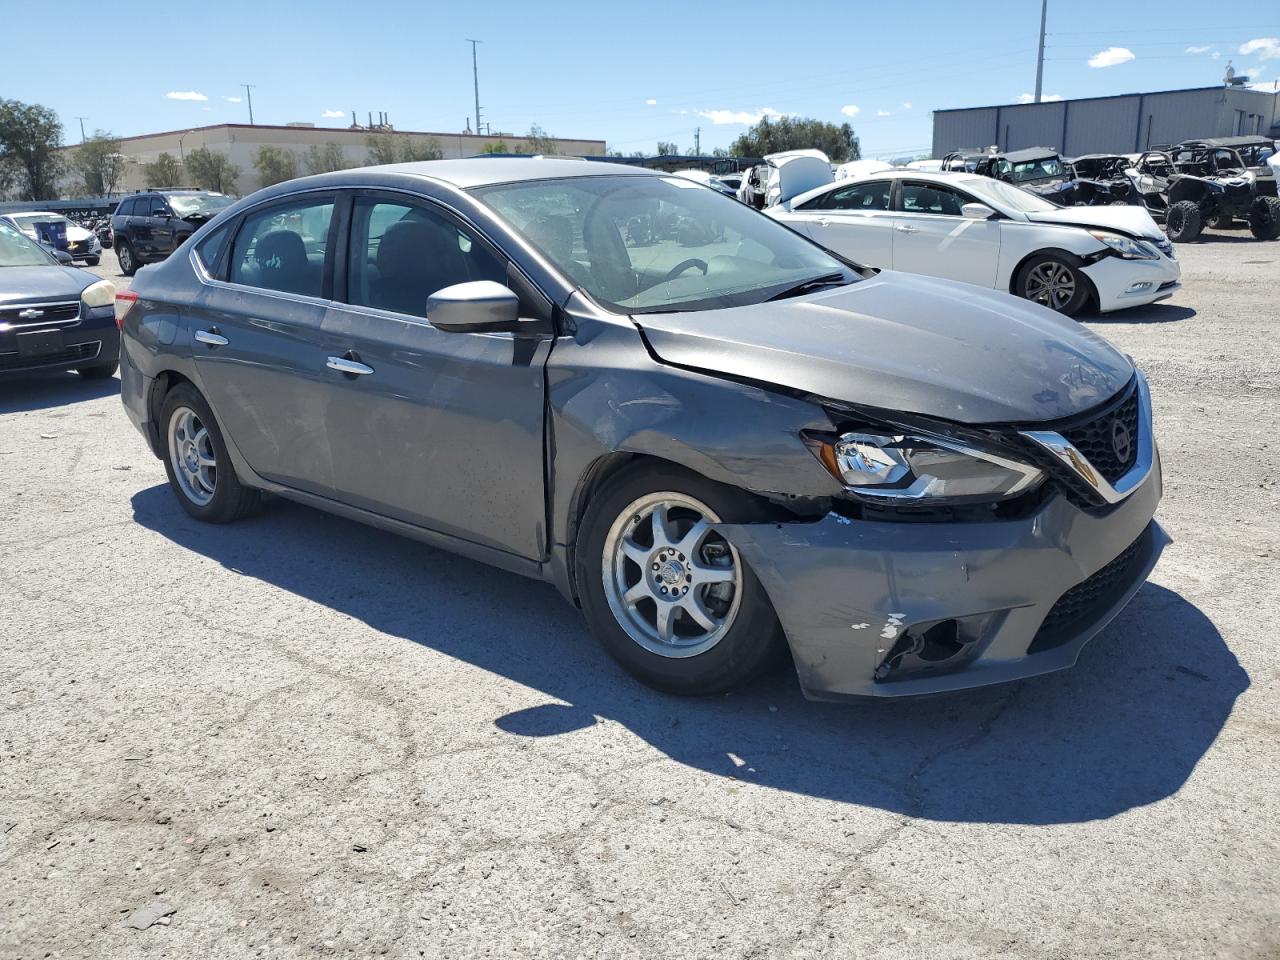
point(161, 224)
point(258, 342)
point(931, 237)
point(441, 430)
point(854, 220)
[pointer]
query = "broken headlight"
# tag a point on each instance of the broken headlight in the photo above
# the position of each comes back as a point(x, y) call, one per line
point(904, 469)
point(1126, 247)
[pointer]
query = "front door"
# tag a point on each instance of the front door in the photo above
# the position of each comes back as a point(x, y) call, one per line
point(259, 346)
point(932, 237)
point(441, 430)
point(853, 220)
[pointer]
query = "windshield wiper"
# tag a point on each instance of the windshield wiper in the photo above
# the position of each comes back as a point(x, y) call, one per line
point(813, 283)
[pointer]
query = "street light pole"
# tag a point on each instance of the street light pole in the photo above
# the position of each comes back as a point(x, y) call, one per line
point(82, 120)
point(249, 96)
point(475, 78)
point(1044, 10)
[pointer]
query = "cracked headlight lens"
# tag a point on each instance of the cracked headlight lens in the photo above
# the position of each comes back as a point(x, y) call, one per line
point(1126, 247)
point(906, 468)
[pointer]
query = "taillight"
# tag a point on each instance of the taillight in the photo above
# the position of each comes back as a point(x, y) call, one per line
point(125, 299)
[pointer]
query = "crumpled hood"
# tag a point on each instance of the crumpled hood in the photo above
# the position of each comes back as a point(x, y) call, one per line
point(1132, 220)
point(905, 343)
point(23, 284)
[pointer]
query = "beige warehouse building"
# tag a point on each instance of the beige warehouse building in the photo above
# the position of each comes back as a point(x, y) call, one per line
point(241, 142)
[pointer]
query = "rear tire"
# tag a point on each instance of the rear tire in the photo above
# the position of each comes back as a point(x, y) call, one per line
point(732, 633)
point(93, 261)
point(1054, 280)
point(196, 460)
point(1264, 218)
point(128, 259)
point(1182, 223)
point(1221, 223)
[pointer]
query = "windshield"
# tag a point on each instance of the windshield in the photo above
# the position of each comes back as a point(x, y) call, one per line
point(648, 244)
point(187, 204)
point(1037, 169)
point(27, 221)
point(17, 251)
point(1000, 194)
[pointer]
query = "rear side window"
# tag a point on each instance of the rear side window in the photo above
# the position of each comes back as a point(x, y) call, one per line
point(858, 196)
point(283, 248)
point(210, 248)
point(932, 198)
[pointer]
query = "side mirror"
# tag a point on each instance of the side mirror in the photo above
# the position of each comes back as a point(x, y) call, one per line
point(977, 211)
point(480, 306)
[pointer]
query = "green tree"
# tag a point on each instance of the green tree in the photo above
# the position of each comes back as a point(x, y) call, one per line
point(382, 149)
point(499, 146)
point(274, 165)
point(667, 149)
point(212, 170)
point(164, 172)
point(325, 159)
point(99, 164)
point(30, 136)
point(839, 143)
point(538, 142)
point(412, 149)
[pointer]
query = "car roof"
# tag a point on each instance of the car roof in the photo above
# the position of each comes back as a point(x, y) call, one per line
point(927, 176)
point(482, 171)
point(1030, 153)
point(1250, 141)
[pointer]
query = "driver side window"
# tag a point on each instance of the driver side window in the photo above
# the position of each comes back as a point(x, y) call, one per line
point(932, 198)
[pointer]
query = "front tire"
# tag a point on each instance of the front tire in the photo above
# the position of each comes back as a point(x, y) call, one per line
point(1182, 223)
point(1264, 218)
point(128, 259)
point(1054, 280)
point(93, 261)
point(671, 600)
point(196, 460)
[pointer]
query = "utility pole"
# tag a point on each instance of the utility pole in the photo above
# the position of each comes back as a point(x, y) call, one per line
point(249, 97)
point(82, 120)
point(697, 141)
point(1044, 11)
point(475, 78)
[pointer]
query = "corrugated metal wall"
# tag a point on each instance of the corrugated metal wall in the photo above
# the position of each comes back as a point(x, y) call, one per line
point(1110, 124)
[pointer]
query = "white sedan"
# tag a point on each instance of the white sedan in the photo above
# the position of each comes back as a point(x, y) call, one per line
point(82, 244)
point(982, 231)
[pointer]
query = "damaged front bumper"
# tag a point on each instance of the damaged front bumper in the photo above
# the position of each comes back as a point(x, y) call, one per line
point(890, 609)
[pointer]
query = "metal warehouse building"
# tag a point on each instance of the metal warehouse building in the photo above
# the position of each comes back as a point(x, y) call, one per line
point(1128, 123)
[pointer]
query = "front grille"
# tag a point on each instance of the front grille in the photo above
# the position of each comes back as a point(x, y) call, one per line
point(59, 312)
point(1097, 438)
point(65, 358)
point(1080, 605)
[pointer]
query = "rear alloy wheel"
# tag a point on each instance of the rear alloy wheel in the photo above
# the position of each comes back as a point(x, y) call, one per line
point(1182, 223)
point(1054, 281)
point(669, 597)
point(1264, 218)
point(197, 462)
point(128, 262)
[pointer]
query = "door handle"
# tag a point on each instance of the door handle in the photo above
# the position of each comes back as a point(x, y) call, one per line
point(905, 228)
point(353, 368)
point(822, 221)
point(212, 337)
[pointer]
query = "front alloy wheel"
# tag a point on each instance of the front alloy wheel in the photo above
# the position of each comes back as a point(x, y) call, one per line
point(673, 584)
point(1052, 284)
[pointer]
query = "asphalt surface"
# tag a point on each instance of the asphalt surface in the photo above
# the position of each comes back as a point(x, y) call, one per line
point(299, 737)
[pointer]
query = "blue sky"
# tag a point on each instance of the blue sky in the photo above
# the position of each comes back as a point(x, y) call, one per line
point(628, 73)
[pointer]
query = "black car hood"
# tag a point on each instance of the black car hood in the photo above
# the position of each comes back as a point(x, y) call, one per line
point(52, 282)
point(904, 343)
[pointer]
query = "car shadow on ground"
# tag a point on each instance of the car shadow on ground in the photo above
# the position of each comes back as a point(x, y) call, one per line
point(1152, 313)
point(1125, 728)
point(39, 391)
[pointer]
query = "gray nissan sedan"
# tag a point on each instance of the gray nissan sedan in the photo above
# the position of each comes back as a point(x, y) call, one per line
point(717, 438)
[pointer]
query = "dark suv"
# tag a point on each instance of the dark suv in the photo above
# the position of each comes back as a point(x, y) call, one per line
point(149, 226)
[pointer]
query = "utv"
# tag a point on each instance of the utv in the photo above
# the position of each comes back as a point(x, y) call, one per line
point(1037, 169)
point(1212, 186)
point(1102, 179)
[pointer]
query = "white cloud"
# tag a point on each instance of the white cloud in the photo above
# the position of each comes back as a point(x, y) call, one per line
point(651, 102)
point(851, 110)
point(185, 95)
point(1110, 57)
point(883, 113)
point(1204, 49)
point(906, 105)
point(1217, 55)
point(1044, 97)
point(232, 99)
point(207, 109)
point(743, 117)
point(1271, 86)
point(1268, 48)
point(332, 114)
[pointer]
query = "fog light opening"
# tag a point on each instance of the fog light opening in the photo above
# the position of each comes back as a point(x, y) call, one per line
point(923, 648)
